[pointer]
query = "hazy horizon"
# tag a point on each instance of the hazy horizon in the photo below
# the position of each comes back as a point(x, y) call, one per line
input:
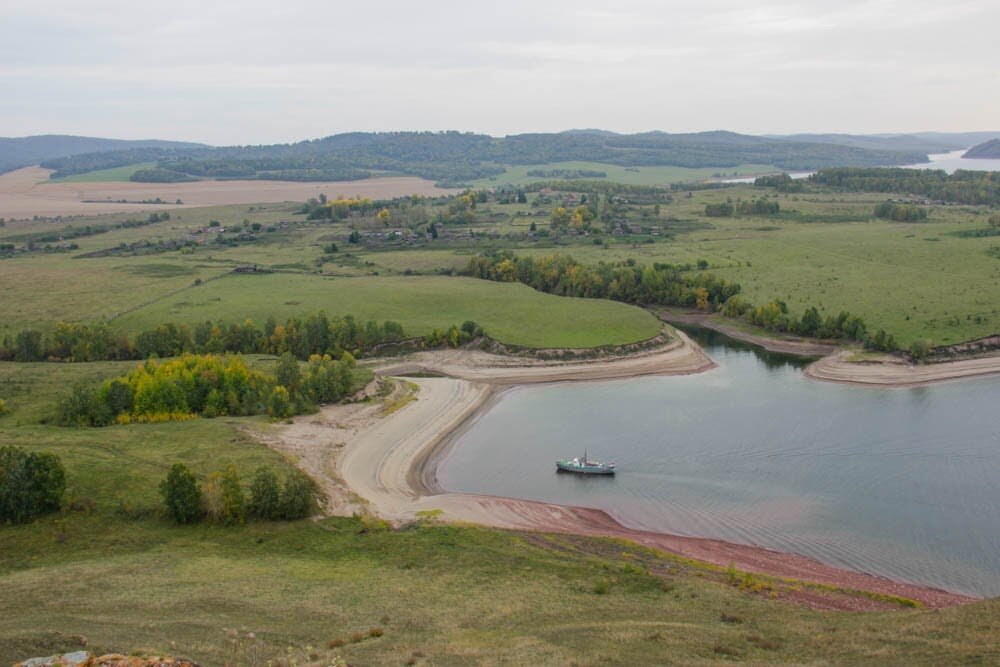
point(496, 136)
point(260, 73)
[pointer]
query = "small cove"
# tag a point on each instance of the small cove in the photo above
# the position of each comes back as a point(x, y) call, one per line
point(903, 483)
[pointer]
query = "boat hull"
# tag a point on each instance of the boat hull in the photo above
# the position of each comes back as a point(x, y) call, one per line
point(584, 470)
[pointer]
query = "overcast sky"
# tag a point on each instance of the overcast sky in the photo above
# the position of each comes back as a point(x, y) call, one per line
point(282, 70)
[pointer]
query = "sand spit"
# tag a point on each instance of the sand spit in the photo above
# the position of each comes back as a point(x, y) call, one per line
point(889, 371)
point(679, 357)
point(28, 192)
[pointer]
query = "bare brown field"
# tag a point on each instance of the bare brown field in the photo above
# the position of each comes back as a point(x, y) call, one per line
point(28, 192)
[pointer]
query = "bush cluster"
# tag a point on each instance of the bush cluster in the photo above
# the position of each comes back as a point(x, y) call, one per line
point(220, 498)
point(891, 210)
point(30, 484)
point(207, 386)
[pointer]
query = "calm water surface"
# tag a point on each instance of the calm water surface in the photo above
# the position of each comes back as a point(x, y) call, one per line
point(903, 483)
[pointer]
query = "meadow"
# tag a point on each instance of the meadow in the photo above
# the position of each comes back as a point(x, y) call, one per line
point(110, 571)
point(512, 313)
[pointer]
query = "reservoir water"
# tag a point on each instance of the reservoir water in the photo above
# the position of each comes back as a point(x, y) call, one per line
point(949, 162)
point(903, 483)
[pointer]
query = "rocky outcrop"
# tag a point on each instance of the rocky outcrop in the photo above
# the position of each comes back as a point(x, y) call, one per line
point(85, 659)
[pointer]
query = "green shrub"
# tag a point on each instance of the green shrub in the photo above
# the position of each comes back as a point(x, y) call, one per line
point(181, 494)
point(920, 348)
point(30, 484)
point(231, 496)
point(279, 405)
point(298, 498)
point(265, 495)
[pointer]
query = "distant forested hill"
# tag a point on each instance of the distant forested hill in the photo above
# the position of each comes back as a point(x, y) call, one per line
point(455, 157)
point(26, 151)
point(921, 142)
point(989, 149)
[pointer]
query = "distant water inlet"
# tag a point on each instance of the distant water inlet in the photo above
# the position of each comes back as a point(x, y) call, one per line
point(902, 483)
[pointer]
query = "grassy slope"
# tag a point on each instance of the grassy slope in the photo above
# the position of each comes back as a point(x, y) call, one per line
point(511, 313)
point(106, 175)
point(127, 580)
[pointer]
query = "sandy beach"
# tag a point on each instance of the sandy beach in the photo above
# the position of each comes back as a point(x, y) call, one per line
point(839, 364)
point(386, 464)
point(889, 371)
point(29, 192)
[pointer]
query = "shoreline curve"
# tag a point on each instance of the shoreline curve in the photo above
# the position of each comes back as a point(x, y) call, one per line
point(391, 465)
point(834, 364)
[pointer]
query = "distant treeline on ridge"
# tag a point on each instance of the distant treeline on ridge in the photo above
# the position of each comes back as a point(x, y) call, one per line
point(455, 157)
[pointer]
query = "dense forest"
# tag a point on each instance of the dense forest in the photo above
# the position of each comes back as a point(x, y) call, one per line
point(454, 157)
point(961, 187)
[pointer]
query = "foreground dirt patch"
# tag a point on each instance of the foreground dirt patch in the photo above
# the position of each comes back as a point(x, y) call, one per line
point(27, 192)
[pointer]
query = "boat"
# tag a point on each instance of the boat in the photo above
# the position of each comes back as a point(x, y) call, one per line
point(585, 466)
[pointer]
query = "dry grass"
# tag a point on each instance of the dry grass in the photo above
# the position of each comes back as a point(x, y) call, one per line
point(28, 192)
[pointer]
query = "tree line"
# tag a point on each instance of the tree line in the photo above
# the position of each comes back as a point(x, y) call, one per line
point(666, 284)
point(900, 212)
point(71, 232)
point(774, 316)
point(302, 337)
point(220, 498)
point(756, 206)
point(961, 187)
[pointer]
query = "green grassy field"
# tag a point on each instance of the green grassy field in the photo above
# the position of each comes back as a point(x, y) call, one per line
point(115, 572)
point(106, 175)
point(511, 313)
point(915, 280)
point(518, 174)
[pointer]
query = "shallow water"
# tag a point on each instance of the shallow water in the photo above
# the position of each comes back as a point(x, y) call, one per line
point(903, 483)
